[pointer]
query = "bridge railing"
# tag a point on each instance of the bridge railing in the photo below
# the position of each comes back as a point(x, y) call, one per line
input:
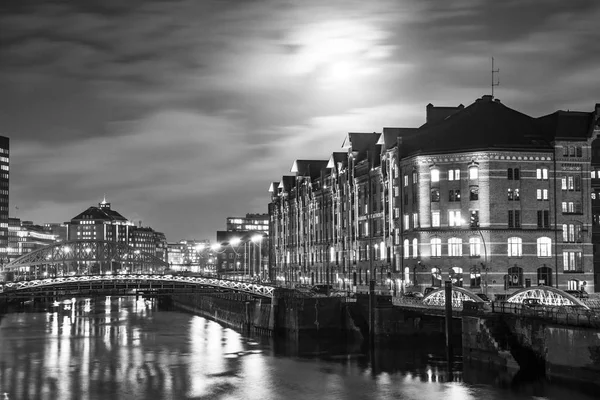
point(563, 315)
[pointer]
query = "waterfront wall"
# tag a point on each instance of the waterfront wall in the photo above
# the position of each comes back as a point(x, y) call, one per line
point(534, 346)
point(287, 313)
point(235, 310)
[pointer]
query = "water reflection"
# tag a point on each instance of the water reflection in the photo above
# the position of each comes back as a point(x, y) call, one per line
point(108, 348)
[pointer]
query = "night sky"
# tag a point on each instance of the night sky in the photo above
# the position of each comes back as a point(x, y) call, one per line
point(183, 112)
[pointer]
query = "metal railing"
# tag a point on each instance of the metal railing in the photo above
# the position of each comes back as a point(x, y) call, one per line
point(563, 315)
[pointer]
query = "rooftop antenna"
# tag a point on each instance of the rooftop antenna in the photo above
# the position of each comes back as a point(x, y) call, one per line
point(495, 71)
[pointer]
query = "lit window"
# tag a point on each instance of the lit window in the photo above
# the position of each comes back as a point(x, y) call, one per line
point(515, 247)
point(415, 246)
point(454, 174)
point(435, 218)
point(475, 247)
point(406, 222)
point(454, 218)
point(405, 180)
point(406, 248)
point(415, 220)
point(436, 247)
point(454, 247)
point(544, 247)
point(435, 175)
point(473, 172)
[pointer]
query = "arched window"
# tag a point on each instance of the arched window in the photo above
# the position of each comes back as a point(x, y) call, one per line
point(456, 276)
point(436, 247)
point(544, 276)
point(572, 284)
point(454, 247)
point(544, 247)
point(436, 277)
point(415, 248)
point(406, 248)
point(515, 277)
point(475, 274)
point(515, 247)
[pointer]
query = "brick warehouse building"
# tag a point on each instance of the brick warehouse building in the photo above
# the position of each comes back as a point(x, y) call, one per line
point(483, 195)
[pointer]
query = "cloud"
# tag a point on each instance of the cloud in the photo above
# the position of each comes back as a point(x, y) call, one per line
point(185, 111)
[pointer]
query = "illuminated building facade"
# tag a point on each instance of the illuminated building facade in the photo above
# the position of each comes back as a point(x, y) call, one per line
point(249, 223)
point(4, 179)
point(190, 255)
point(25, 237)
point(484, 196)
point(242, 250)
point(100, 223)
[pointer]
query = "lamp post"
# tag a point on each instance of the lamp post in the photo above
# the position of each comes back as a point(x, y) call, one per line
point(257, 239)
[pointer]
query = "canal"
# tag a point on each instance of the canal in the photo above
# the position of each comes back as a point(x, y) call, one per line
point(128, 348)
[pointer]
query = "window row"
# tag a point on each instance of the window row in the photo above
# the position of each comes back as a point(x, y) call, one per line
point(572, 183)
point(571, 207)
point(455, 218)
point(454, 174)
point(454, 195)
point(455, 247)
point(572, 151)
point(512, 279)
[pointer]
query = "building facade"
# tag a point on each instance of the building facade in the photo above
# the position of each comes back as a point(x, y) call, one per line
point(4, 197)
point(25, 237)
point(100, 223)
point(242, 251)
point(484, 196)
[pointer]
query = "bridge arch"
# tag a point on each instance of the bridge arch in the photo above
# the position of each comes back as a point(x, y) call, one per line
point(84, 257)
point(459, 294)
point(546, 295)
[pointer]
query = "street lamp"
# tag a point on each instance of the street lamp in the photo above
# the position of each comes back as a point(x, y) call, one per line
point(257, 239)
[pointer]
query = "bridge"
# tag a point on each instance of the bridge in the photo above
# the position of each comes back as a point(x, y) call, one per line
point(127, 284)
point(89, 266)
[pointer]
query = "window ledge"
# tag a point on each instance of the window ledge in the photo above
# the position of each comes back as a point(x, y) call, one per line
point(572, 272)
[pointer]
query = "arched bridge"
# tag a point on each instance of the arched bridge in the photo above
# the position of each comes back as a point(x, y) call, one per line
point(90, 266)
point(459, 294)
point(83, 257)
point(122, 284)
point(546, 295)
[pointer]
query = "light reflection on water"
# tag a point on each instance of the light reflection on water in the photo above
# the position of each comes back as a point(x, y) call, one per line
point(127, 349)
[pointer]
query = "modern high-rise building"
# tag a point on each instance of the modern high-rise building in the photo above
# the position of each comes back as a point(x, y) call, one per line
point(4, 179)
point(484, 196)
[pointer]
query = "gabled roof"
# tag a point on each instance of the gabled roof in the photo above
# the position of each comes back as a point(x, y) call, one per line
point(390, 136)
point(287, 183)
point(567, 125)
point(310, 168)
point(485, 123)
point(337, 158)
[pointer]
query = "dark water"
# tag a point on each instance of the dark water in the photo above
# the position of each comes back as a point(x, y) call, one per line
point(123, 348)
